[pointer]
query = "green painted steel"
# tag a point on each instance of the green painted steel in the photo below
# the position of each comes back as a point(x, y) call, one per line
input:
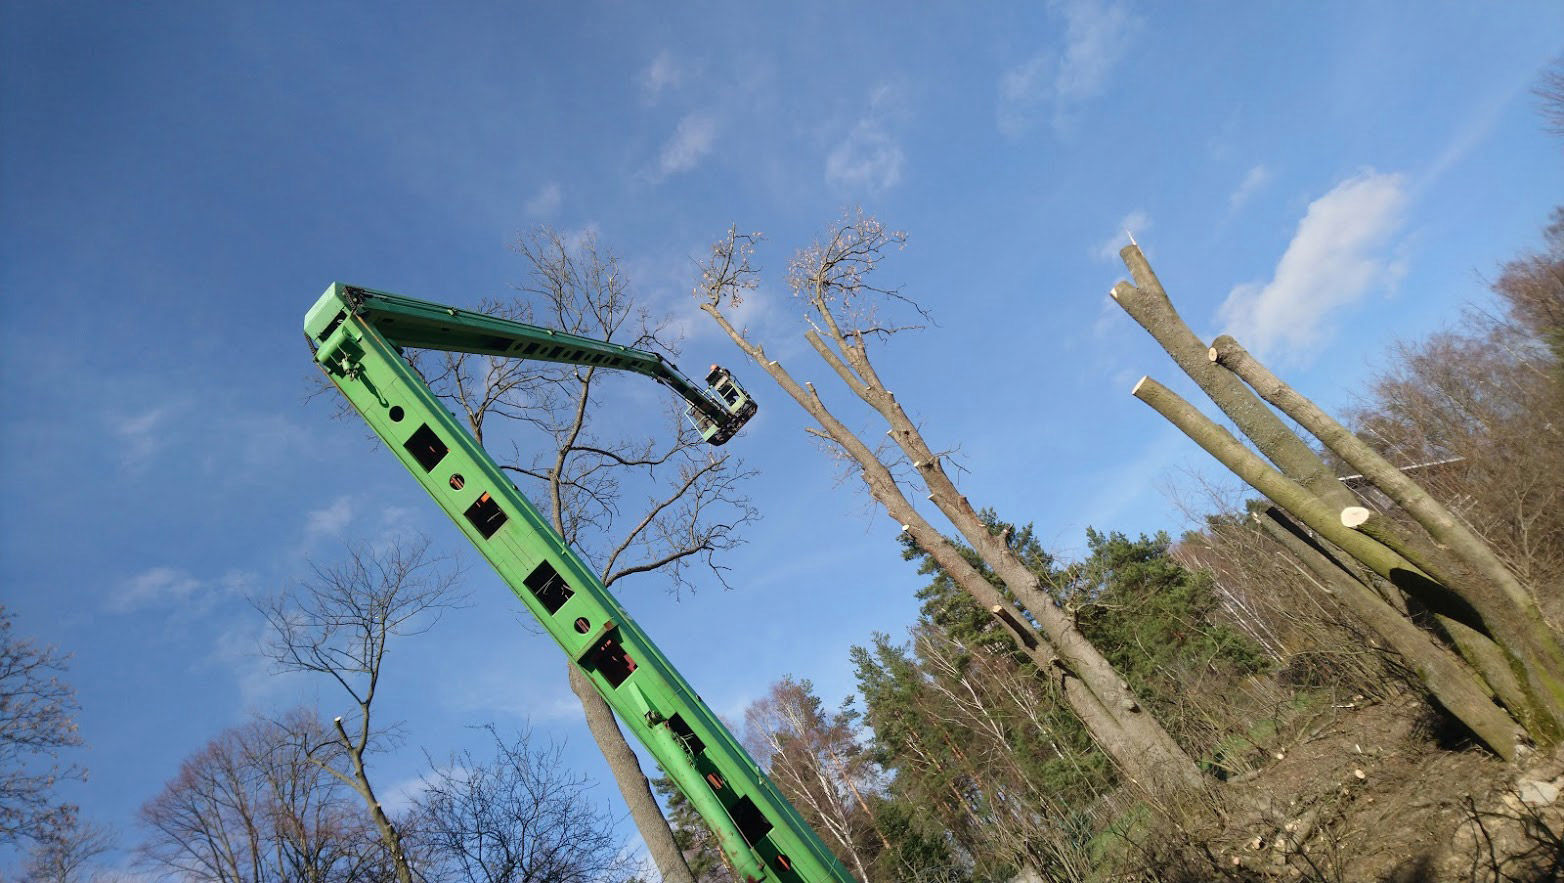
point(357, 336)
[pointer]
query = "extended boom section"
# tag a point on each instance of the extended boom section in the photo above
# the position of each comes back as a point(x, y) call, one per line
point(718, 410)
point(357, 336)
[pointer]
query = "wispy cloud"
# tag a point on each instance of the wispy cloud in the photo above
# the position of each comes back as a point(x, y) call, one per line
point(1135, 222)
point(691, 141)
point(238, 647)
point(545, 202)
point(155, 587)
point(869, 159)
point(1254, 181)
point(141, 435)
point(329, 521)
point(1340, 253)
point(1054, 83)
point(662, 74)
point(166, 586)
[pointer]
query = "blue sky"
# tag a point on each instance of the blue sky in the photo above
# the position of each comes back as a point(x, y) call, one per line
point(179, 182)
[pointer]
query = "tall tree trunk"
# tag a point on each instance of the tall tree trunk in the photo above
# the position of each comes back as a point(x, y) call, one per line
point(1148, 304)
point(1137, 743)
point(1495, 591)
point(1448, 680)
point(632, 782)
point(1446, 530)
point(1293, 498)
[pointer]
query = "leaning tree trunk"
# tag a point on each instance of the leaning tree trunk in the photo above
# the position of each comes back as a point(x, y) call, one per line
point(1447, 530)
point(1449, 681)
point(1494, 590)
point(1293, 498)
point(1137, 743)
point(858, 373)
point(1147, 303)
point(633, 786)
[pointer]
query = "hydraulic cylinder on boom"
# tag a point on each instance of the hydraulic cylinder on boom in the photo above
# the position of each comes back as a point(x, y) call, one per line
point(358, 335)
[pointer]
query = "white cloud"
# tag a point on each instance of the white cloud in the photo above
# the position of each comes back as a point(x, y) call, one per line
point(239, 648)
point(399, 797)
point(545, 202)
point(691, 142)
point(330, 520)
point(141, 435)
point(868, 159)
point(1097, 36)
point(174, 587)
point(155, 587)
point(662, 74)
point(1253, 182)
point(1337, 256)
point(1135, 222)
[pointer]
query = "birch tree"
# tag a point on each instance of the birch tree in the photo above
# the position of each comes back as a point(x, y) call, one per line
point(815, 758)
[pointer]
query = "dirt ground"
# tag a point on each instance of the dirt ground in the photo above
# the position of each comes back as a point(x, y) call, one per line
point(1368, 792)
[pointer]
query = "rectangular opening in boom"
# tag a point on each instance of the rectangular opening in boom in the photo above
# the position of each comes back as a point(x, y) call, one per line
point(749, 819)
point(426, 447)
point(486, 515)
point(548, 587)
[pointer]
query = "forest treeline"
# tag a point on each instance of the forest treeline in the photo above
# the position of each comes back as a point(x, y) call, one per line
point(1125, 716)
point(1131, 715)
point(961, 756)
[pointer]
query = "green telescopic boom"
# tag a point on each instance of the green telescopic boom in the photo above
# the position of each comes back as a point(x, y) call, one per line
point(358, 335)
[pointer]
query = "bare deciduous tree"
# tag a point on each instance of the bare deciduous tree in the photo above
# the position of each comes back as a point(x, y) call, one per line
point(847, 309)
point(67, 853)
point(36, 723)
point(339, 625)
point(570, 451)
point(520, 818)
point(260, 804)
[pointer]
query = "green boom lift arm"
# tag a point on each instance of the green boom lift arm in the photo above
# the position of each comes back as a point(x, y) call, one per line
point(358, 335)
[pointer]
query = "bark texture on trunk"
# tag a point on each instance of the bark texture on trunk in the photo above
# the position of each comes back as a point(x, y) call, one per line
point(633, 786)
point(1447, 530)
point(1476, 573)
point(1138, 744)
point(1448, 680)
point(1148, 304)
point(1293, 498)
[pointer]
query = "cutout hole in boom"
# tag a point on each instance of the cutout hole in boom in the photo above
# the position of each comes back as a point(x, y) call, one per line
point(548, 587)
point(486, 515)
point(611, 660)
point(426, 447)
point(686, 735)
point(749, 819)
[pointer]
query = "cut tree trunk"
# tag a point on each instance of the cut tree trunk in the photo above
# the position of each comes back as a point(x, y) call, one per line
point(1448, 680)
point(1148, 304)
point(1495, 591)
point(1447, 530)
point(1293, 498)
